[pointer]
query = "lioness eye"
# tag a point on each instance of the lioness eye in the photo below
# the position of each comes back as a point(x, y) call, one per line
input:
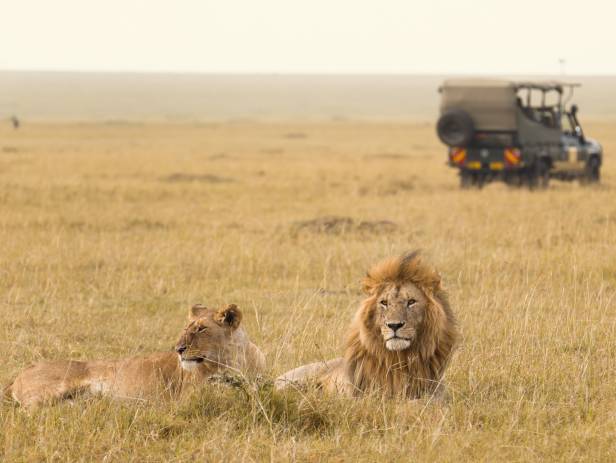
point(201, 329)
point(383, 302)
point(411, 302)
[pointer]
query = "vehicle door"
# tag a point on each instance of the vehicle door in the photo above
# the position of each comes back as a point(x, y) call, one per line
point(574, 152)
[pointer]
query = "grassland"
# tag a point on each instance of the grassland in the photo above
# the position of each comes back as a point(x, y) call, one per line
point(109, 232)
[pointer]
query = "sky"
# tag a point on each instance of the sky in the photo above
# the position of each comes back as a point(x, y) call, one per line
point(310, 36)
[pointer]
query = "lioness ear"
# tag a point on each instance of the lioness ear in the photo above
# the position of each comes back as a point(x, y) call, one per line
point(196, 311)
point(230, 316)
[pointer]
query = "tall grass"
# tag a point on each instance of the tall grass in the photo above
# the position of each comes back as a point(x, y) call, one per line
point(109, 233)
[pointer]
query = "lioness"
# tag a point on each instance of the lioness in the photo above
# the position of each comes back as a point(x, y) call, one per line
point(400, 340)
point(211, 342)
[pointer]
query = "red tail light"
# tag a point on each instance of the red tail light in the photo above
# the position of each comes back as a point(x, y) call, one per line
point(457, 155)
point(513, 156)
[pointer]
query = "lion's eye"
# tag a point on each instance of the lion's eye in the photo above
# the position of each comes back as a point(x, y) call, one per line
point(202, 329)
point(411, 302)
point(383, 302)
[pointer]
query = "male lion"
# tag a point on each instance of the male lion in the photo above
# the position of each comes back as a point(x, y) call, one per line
point(211, 342)
point(400, 340)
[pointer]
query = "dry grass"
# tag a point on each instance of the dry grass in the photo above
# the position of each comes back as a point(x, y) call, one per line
point(109, 232)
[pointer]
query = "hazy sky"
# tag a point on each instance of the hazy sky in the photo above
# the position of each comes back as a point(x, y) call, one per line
point(320, 36)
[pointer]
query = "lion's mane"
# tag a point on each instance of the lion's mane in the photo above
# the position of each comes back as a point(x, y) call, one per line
point(419, 369)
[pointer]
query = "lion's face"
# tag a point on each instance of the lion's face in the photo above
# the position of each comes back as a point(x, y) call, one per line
point(203, 342)
point(400, 312)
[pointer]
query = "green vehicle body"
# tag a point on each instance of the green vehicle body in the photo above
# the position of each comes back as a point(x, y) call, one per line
point(523, 133)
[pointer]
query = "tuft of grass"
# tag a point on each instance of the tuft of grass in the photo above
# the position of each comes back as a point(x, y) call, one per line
point(250, 404)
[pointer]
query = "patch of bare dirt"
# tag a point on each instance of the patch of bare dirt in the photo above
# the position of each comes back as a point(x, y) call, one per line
point(335, 225)
point(189, 178)
point(388, 189)
point(218, 156)
point(145, 224)
point(394, 156)
point(295, 135)
point(272, 151)
point(399, 186)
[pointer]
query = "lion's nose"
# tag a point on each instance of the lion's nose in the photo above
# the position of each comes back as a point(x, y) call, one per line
point(395, 326)
point(180, 349)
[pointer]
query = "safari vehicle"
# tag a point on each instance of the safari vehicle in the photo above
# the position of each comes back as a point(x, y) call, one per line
point(522, 133)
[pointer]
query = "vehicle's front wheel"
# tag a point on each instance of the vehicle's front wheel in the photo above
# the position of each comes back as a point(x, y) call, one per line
point(592, 172)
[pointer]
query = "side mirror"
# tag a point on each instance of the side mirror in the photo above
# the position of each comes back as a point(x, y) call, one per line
point(574, 109)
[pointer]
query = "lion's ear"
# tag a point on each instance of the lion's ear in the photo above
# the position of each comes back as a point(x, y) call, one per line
point(369, 285)
point(229, 316)
point(438, 285)
point(196, 311)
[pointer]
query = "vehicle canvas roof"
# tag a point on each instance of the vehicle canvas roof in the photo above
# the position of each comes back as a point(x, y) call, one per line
point(478, 83)
point(492, 103)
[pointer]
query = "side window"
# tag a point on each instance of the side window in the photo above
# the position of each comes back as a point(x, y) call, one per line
point(547, 118)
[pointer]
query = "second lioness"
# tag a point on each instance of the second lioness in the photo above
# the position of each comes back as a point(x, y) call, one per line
point(213, 341)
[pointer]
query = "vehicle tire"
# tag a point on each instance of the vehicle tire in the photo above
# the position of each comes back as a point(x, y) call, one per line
point(538, 175)
point(592, 172)
point(469, 179)
point(455, 128)
point(514, 180)
point(466, 179)
point(543, 174)
point(480, 181)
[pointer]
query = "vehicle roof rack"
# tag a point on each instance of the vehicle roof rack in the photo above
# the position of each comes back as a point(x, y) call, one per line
point(543, 85)
point(546, 86)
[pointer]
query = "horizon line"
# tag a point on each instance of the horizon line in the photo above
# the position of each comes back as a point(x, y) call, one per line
point(301, 73)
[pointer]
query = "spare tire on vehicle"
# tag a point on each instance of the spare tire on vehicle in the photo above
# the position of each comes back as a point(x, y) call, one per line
point(455, 127)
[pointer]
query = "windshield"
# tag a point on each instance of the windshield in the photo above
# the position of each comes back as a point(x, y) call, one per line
point(566, 125)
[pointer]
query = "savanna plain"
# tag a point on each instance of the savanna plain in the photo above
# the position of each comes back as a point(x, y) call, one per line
point(109, 232)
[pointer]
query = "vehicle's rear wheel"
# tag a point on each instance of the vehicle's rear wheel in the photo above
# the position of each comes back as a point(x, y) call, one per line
point(480, 181)
point(466, 179)
point(469, 179)
point(538, 175)
point(592, 172)
point(543, 175)
point(514, 180)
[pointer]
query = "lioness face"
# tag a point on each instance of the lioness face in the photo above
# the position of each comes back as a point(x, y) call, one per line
point(400, 312)
point(202, 344)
